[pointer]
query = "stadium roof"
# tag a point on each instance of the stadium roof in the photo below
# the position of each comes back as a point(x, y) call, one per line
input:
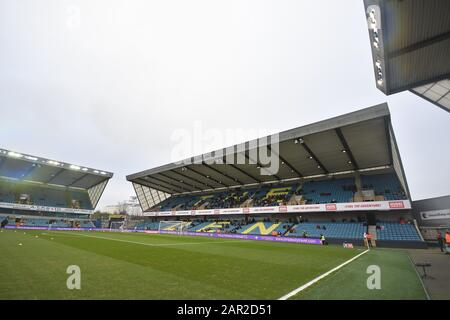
point(410, 41)
point(15, 165)
point(358, 141)
point(435, 92)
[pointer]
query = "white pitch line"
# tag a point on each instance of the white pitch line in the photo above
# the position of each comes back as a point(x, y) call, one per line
point(149, 244)
point(310, 283)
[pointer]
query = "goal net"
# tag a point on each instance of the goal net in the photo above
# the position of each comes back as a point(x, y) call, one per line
point(177, 226)
point(116, 226)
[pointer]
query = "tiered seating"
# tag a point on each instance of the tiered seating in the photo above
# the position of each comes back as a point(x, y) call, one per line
point(337, 230)
point(273, 197)
point(262, 228)
point(258, 194)
point(42, 195)
point(397, 231)
point(310, 192)
point(213, 226)
point(328, 191)
point(228, 200)
point(48, 222)
point(386, 185)
point(36, 222)
point(147, 226)
point(7, 196)
point(87, 224)
point(331, 230)
point(196, 226)
point(60, 224)
point(283, 228)
point(210, 201)
point(184, 202)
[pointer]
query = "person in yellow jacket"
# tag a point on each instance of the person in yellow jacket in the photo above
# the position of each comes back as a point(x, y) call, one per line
point(322, 239)
point(447, 241)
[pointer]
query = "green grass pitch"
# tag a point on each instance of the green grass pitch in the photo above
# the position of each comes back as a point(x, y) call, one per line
point(144, 266)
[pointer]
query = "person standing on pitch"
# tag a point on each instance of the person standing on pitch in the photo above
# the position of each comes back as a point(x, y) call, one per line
point(4, 223)
point(447, 242)
point(322, 239)
point(440, 241)
point(369, 239)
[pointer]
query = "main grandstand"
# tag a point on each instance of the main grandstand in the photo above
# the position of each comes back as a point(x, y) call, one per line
point(410, 42)
point(340, 178)
point(39, 192)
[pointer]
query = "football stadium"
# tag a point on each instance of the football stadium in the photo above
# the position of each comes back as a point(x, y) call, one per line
point(218, 225)
point(322, 211)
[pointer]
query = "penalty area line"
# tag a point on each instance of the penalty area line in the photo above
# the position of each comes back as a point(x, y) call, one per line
point(310, 283)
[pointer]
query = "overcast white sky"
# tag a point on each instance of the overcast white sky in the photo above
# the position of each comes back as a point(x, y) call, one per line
point(106, 83)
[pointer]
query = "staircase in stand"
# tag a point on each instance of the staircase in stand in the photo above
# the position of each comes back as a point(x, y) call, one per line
point(373, 231)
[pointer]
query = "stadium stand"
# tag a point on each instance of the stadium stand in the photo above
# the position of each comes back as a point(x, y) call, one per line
point(397, 231)
point(147, 226)
point(335, 178)
point(215, 226)
point(334, 230)
point(228, 200)
point(263, 228)
point(29, 221)
point(310, 192)
point(207, 201)
point(278, 195)
point(385, 185)
point(87, 224)
point(39, 192)
point(329, 191)
point(185, 202)
point(43, 195)
point(346, 229)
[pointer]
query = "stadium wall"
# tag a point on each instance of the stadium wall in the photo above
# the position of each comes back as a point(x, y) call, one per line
point(323, 207)
point(382, 243)
point(433, 212)
point(402, 244)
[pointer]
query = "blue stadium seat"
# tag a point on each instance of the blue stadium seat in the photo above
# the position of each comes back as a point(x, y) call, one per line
point(337, 230)
point(386, 185)
point(43, 196)
point(397, 231)
point(327, 191)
